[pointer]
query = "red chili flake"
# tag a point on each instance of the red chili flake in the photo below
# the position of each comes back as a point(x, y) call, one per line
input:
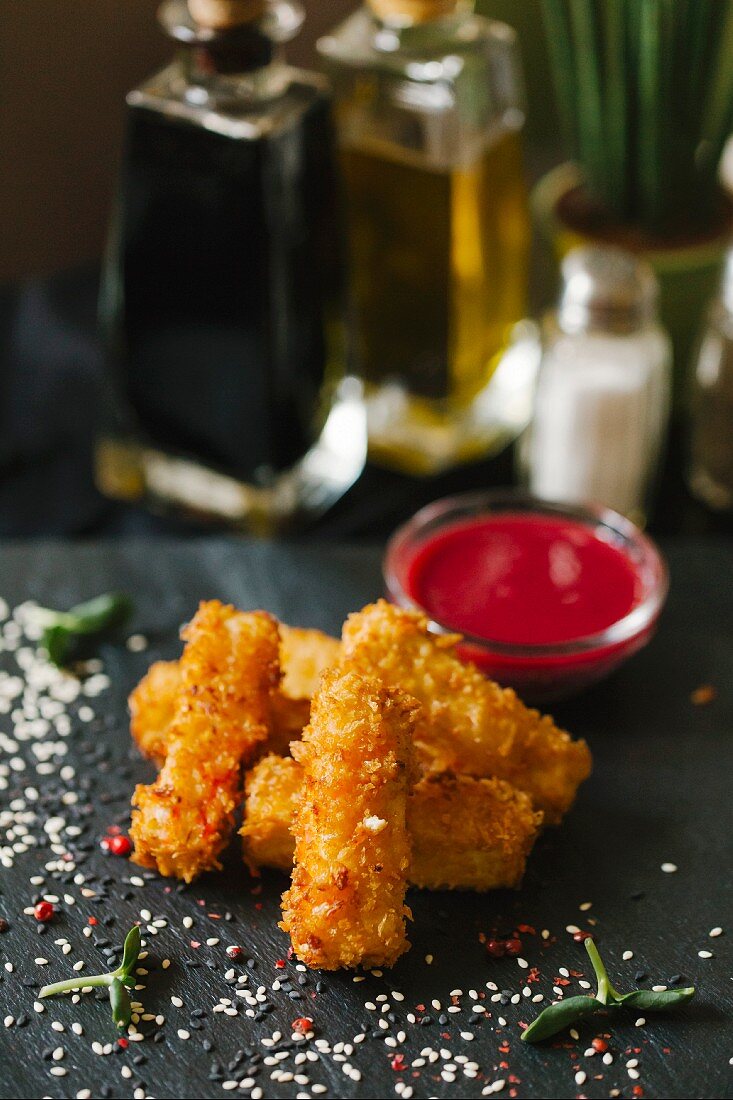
point(117, 845)
point(114, 830)
point(302, 1025)
point(258, 905)
point(504, 1047)
point(122, 1042)
point(214, 916)
point(398, 1063)
point(638, 1090)
point(513, 947)
point(527, 928)
point(561, 981)
point(44, 910)
point(234, 952)
point(279, 963)
point(420, 1008)
point(92, 921)
point(496, 948)
point(600, 1045)
point(533, 975)
point(580, 936)
point(195, 943)
point(291, 952)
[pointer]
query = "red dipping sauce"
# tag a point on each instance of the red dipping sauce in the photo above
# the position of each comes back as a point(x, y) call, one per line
point(549, 598)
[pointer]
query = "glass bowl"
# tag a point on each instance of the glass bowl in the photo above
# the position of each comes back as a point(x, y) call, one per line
point(539, 672)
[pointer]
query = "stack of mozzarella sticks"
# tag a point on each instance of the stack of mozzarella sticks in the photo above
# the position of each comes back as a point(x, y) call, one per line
point(370, 763)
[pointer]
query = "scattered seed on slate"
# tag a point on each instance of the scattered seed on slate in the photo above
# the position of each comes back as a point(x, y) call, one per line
point(50, 824)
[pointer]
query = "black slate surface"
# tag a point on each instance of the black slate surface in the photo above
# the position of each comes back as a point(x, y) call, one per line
point(660, 792)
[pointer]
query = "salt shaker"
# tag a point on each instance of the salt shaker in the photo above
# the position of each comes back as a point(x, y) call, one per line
point(711, 469)
point(603, 391)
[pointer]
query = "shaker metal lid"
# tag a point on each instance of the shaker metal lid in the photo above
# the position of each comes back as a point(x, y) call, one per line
point(608, 289)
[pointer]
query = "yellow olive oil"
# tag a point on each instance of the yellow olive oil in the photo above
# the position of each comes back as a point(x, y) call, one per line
point(439, 263)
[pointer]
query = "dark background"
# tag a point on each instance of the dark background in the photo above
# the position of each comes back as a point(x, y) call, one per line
point(64, 72)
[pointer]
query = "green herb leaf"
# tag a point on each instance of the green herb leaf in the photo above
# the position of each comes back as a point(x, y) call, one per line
point(100, 615)
point(119, 999)
point(130, 951)
point(656, 1002)
point(116, 980)
point(561, 1015)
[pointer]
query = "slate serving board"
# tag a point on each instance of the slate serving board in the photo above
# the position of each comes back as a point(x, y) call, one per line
point(660, 793)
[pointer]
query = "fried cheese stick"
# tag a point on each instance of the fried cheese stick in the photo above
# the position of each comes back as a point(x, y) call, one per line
point(303, 656)
point(152, 707)
point(467, 834)
point(345, 906)
point(228, 669)
point(468, 725)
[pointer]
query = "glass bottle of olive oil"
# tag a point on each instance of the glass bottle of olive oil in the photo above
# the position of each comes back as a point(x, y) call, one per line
point(429, 112)
point(221, 300)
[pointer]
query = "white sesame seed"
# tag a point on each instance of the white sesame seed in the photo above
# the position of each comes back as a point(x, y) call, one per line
point(640, 1022)
point(705, 954)
point(714, 932)
point(669, 868)
point(627, 955)
point(580, 1077)
point(183, 1034)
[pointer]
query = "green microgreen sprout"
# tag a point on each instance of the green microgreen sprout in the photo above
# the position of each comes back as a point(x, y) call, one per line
point(117, 981)
point(63, 630)
point(556, 1017)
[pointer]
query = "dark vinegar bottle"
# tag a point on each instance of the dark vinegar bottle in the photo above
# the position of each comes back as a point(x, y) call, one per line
point(221, 300)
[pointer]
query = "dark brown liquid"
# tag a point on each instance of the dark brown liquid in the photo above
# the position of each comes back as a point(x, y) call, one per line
point(225, 288)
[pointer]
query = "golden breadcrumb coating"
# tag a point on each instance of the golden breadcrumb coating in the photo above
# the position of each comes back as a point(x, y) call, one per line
point(468, 724)
point(303, 656)
point(467, 834)
point(152, 706)
point(345, 906)
point(272, 791)
point(228, 669)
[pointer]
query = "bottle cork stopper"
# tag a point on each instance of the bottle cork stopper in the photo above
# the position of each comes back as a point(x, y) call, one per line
point(221, 15)
point(412, 11)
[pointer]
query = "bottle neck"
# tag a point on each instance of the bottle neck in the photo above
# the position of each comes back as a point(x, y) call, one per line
point(239, 64)
point(400, 29)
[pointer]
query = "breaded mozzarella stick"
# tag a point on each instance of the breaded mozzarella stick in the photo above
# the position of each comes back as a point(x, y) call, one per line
point(228, 669)
point(345, 907)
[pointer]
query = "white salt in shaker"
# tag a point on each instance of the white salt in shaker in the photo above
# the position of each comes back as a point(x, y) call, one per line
point(603, 393)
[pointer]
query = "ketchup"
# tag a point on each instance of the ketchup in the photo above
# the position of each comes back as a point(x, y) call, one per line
point(521, 578)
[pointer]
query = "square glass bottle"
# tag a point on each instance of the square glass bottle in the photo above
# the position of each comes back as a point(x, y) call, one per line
point(221, 301)
point(429, 108)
